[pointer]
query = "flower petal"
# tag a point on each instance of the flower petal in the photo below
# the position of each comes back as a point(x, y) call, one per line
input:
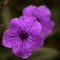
point(14, 23)
point(8, 37)
point(22, 49)
point(47, 26)
point(30, 10)
point(36, 44)
point(44, 12)
point(36, 25)
point(36, 38)
point(26, 22)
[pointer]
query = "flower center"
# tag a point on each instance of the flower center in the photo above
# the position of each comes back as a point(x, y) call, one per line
point(38, 20)
point(23, 35)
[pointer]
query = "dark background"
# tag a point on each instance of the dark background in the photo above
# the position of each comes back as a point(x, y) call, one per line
point(13, 8)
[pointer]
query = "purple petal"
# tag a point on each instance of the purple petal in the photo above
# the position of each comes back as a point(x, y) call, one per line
point(14, 23)
point(36, 38)
point(36, 44)
point(26, 22)
point(30, 10)
point(47, 26)
point(22, 49)
point(8, 37)
point(36, 25)
point(44, 12)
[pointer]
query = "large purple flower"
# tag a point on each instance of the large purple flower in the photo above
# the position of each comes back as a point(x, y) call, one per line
point(23, 36)
point(28, 32)
point(42, 15)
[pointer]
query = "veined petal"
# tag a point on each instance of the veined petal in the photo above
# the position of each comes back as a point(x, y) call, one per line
point(35, 26)
point(26, 22)
point(36, 44)
point(8, 37)
point(22, 49)
point(36, 38)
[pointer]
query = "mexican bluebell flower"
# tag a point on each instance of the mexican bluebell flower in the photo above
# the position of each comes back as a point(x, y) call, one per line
point(28, 32)
point(23, 36)
point(43, 16)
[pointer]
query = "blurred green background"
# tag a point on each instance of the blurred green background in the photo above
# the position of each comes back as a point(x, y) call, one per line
point(13, 8)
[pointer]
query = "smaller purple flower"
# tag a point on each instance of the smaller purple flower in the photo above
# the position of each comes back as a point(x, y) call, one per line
point(42, 15)
point(23, 36)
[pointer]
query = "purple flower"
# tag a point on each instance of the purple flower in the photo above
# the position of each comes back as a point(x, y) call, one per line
point(23, 36)
point(42, 15)
point(29, 31)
